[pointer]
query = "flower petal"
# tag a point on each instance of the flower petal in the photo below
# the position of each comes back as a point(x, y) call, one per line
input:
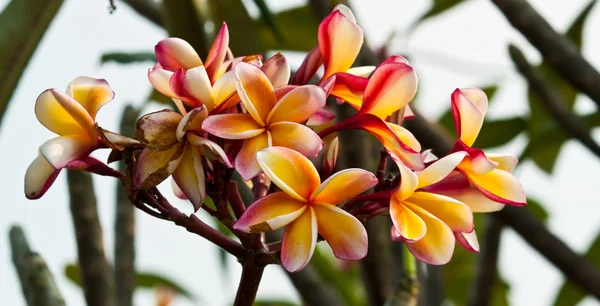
point(255, 91)
point(390, 88)
point(440, 169)
point(343, 186)
point(361, 71)
point(193, 87)
point(189, 176)
point(340, 40)
point(298, 105)
point(468, 241)
point(232, 126)
point(39, 177)
point(61, 150)
point(345, 235)
point(154, 166)
point(469, 106)
point(62, 114)
point(217, 53)
point(475, 200)
point(224, 91)
point(499, 186)
point(296, 136)
point(159, 78)
point(350, 88)
point(270, 213)
point(277, 70)
point(91, 93)
point(173, 53)
point(406, 137)
point(192, 121)
point(331, 155)
point(408, 224)
point(455, 214)
point(309, 67)
point(322, 116)
point(290, 171)
point(212, 146)
point(437, 246)
point(299, 241)
point(505, 162)
point(245, 161)
point(408, 182)
point(158, 129)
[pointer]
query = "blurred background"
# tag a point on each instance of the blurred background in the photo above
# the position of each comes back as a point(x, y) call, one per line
point(451, 44)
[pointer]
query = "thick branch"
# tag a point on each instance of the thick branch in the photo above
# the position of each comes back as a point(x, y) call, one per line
point(96, 279)
point(249, 282)
point(37, 282)
point(149, 9)
point(483, 285)
point(551, 100)
point(124, 273)
point(557, 50)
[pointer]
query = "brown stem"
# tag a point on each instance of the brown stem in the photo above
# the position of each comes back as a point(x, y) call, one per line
point(37, 283)
point(557, 50)
point(96, 279)
point(483, 284)
point(249, 282)
point(552, 102)
point(235, 200)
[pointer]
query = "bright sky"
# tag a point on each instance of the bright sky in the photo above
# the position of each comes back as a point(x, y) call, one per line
point(475, 36)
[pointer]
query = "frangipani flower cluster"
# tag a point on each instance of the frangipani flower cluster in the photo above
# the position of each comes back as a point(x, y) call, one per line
point(244, 114)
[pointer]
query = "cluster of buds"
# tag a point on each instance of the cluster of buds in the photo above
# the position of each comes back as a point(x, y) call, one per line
point(245, 115)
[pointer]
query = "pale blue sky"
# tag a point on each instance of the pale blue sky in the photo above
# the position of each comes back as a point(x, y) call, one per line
point(475, 33)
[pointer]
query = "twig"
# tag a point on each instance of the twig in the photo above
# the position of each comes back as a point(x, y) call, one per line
point(377, 266)
point(149, 9)
point(96, 279)
point(483, 284)
point(235, 200)
point(432, 286)
point(551, 100)
point(36, 280)
point(575, 267)
point(124, 273)
point(557, 50)
point(249, 282)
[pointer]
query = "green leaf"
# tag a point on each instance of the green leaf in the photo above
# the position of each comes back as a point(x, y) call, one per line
point(144, 280)
point(298, 27)
point(244, 34)
point(22, 26)
point(127, 57)
point(156, 96)
point(569, 293)
point(537, 209)
point(273, 303)
point(268, 19)
point(438, 7)
point(495, 133)
point(544, 155)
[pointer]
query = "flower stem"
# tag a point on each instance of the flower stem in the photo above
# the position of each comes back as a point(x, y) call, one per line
point(251, 276)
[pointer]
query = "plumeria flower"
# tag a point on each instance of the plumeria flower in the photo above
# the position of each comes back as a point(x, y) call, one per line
point(175, 148)
point(481, 180)
point(339, 42)
point(427, 221)
point(391, 87)
point(308, 208)
point(72, 116)
point(273, 118)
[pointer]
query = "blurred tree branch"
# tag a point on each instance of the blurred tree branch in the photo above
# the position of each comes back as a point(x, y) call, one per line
point(558, 51)
point(149, 9)
point(124, 273)
point(37, 282)
point(96, 279)
point(487, 265)
point(552, 102)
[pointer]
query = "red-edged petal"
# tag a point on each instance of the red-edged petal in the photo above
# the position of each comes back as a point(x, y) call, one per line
point(350, 88)
point(469, 106)
point(437, 246)
point(468, 241)
point(217, 53)
point(340, 40)
point(322, 116)
point(298, 105)
point(245, 161)
point(407, 224)
point(91, 93)
point(159, 78)
point(277, 70)
point(232, 126)
point(309, 67)
point(193, 87)
point(293, 173)
point(270, 213)
point(391, 87)
point(331, 155)
point(499, 186)
point(343, 186)
point(297, 137)
point(299, 241)
point(255, 90)
point(345, 235)
point(174, 53)
point(455, 214)
point(63, 115)
point(39, 177)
